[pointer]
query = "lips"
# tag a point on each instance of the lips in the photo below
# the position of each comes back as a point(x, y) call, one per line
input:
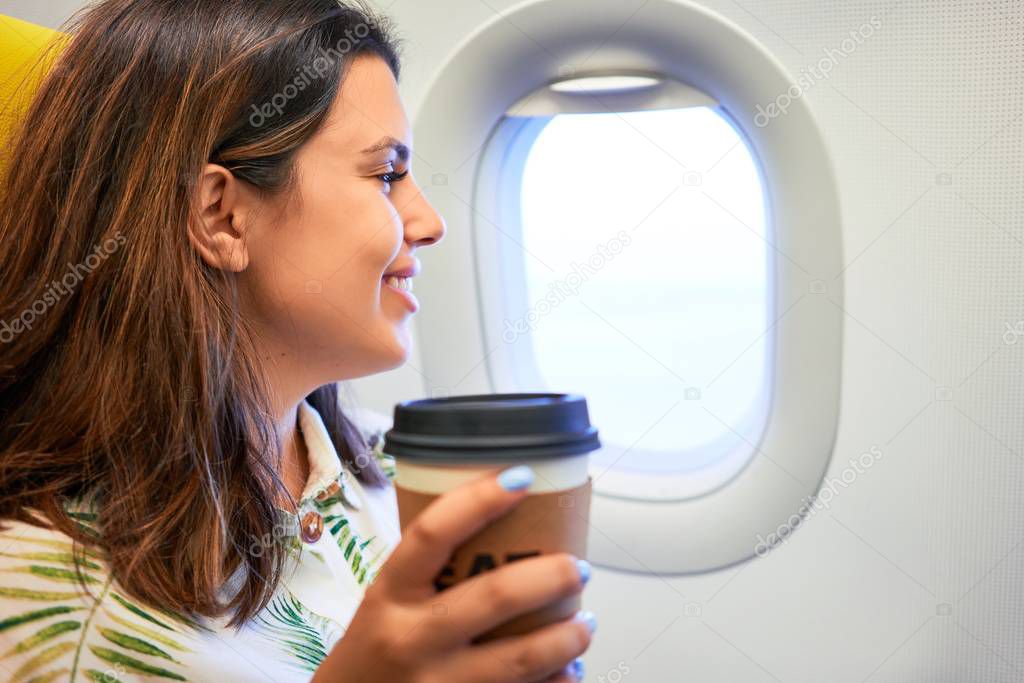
point(399, 281)
point(407, 270)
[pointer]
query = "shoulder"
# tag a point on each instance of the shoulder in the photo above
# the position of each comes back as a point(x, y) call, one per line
point(60, 610)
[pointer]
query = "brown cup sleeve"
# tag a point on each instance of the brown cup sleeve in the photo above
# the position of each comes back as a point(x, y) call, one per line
point(541, 523)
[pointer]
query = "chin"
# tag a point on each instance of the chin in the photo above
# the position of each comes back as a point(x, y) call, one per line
point(399, 350)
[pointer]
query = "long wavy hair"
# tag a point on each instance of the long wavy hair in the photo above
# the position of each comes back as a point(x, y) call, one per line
point(127, 373)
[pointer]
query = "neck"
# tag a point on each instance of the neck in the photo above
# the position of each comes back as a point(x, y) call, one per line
point(294, 457)
point(285, 399)
point(290, 378)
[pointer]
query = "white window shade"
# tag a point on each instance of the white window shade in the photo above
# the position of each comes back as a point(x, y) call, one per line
point(610, 92)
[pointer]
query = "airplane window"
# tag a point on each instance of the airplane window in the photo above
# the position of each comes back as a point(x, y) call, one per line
point(623, 229)
point(647, 282)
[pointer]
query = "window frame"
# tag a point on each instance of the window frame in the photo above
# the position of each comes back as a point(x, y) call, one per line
point(492, 69)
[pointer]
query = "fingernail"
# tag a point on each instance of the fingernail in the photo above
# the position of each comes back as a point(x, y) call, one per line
point(516, 478)
point(584, 568)
point(587, 618)
point(577, 668)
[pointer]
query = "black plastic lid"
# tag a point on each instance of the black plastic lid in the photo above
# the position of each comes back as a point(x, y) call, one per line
point(491, 427)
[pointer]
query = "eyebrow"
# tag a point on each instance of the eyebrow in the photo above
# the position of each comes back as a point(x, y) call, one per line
point(389, 143)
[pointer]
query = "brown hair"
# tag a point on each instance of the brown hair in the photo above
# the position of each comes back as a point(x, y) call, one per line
point(126, 372)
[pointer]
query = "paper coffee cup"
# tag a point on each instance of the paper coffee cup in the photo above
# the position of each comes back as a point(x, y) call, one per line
point(439, 444)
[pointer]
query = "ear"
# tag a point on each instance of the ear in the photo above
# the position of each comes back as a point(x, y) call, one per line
point(219, 235)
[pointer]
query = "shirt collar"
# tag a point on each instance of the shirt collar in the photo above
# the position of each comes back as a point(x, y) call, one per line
point(325, 466)
point(325, 472)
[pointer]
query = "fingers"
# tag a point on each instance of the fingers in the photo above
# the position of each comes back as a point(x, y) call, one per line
point(484, 601)
point(535, 656)
point(430, 540)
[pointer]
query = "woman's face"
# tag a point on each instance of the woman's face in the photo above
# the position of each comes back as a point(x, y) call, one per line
point(317, 284)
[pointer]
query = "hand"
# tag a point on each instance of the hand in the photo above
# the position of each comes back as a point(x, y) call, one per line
point(397, 636)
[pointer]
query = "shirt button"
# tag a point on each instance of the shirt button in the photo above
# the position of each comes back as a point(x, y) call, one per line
point(312, 526)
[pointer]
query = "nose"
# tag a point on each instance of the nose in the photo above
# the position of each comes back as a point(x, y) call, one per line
point(423, 224)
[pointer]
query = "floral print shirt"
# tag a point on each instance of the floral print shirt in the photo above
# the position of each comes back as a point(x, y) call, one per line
point(52, 630)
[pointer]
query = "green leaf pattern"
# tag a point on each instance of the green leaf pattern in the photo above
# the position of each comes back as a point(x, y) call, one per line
point(386, 462)
point(53, 630)
point(299, 633)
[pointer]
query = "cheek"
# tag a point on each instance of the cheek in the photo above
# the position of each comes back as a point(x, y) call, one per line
point(348, 236)
point(362, 253)
point(354, 311)
point(318, 274)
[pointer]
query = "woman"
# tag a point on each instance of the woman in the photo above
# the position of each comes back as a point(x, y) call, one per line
point(208, 220)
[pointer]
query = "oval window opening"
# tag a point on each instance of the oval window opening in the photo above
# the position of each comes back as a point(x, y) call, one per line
point(645, 233)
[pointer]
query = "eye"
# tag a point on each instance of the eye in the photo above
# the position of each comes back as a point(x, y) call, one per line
point(393, 177)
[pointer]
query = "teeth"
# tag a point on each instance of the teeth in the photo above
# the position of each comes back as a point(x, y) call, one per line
point(403, 283)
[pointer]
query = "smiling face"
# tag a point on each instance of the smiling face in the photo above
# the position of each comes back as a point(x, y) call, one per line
point(317, 285)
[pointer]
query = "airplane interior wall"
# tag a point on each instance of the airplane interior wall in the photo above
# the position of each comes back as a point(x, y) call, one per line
point(914, 571)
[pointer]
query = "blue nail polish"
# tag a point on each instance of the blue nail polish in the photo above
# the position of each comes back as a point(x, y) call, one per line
point(516, 478)
point(587, 618)
point(578, 668)
point(584, 568)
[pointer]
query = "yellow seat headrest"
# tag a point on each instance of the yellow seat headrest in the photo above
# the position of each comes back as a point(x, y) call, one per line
point(24, 60)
